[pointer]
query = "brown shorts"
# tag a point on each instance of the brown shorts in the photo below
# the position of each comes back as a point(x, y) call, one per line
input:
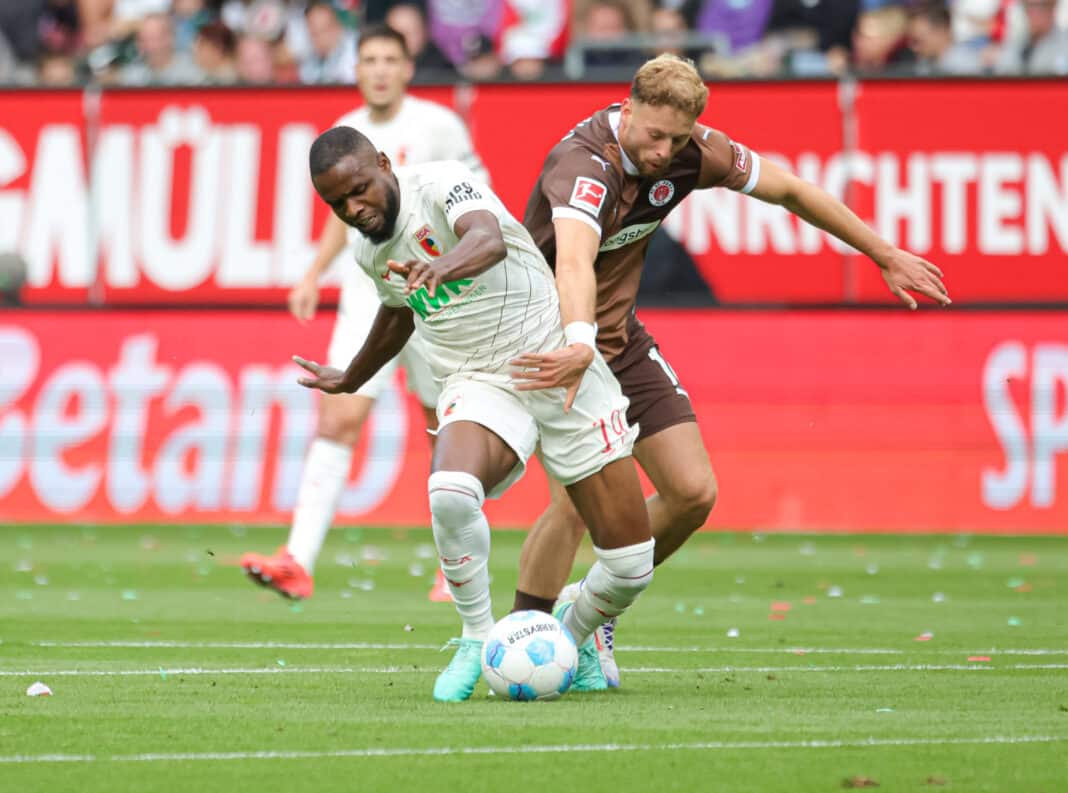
point(657, 401)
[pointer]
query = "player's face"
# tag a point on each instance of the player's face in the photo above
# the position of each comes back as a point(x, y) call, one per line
point(383, 73)
point(363, 192)
point(652, 135)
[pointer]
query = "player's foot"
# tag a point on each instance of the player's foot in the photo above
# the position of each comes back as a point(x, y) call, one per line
point(280, 572)
point(457, 682)
point(603, 637)
point(589, 676)
point(439, 593)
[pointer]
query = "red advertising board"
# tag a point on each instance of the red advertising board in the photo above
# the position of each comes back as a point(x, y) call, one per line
point(202, 195)
point(873, 421)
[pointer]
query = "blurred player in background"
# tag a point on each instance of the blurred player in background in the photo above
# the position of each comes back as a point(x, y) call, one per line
point(408, 130)
point(451, 264)
point(602, 192)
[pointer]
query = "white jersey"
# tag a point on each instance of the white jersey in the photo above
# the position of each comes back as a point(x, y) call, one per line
point(421, 131)
point(472, 326)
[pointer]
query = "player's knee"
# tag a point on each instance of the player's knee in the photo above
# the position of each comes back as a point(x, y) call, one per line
point(695, 497)
point(629, 569)
point(339, 428)
point(456, 498)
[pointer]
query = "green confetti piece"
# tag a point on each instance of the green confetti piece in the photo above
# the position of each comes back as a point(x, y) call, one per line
point(162, 673)
point(699, 611)
point(884, 710)
point(680, 608)
point(870, 600)
point(129, 594)
point(281, 662)
point(1012, 583)
point(1015, 622)
point(296, 608)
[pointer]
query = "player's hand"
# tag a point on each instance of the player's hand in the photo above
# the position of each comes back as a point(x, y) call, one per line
point(905, 272)
point(326, 378)
point(418, 274)
point(561, 368)
point(304, 299)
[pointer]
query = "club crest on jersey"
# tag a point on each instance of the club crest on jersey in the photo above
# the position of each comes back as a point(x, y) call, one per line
point(452, 406)
point(427, 242)
point(588, 194)
point(661, 192)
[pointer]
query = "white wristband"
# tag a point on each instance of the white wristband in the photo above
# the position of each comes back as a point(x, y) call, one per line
point(581, 333)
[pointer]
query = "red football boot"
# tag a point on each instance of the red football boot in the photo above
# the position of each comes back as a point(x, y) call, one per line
point(281, 572)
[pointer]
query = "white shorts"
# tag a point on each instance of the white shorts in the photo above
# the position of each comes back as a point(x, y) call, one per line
point(574, 445)
point(356, 313)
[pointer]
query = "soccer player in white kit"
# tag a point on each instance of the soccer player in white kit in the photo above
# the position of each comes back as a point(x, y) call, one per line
point(451, 264)
point(408, 130)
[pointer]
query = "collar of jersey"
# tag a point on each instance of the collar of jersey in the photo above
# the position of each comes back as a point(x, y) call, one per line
point(628, 167)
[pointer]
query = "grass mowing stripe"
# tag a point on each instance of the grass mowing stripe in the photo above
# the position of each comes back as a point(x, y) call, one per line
point(398, 670)
point(625, 648)
point(551, 749)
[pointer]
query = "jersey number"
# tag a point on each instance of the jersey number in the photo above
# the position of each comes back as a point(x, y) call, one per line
point(654, 354)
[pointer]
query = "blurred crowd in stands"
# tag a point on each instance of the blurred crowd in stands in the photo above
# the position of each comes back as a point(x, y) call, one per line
point(259, 42)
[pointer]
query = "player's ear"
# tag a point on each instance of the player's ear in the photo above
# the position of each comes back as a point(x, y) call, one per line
point(384, 163)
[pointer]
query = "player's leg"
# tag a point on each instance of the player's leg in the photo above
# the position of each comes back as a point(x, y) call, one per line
point(421, 382)
point(549, 552)
point(588, 450)
point(326, 468)
point(677, 464)
point(481, 448)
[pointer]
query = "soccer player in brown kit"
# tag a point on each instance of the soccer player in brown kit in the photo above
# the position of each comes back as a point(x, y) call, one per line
point(602, 192)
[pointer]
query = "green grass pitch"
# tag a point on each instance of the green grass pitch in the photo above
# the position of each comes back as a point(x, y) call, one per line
point(914, 663)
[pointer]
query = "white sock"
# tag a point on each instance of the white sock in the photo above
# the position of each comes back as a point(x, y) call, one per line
point(462, 536)
point(614, 582)
point(326, 470)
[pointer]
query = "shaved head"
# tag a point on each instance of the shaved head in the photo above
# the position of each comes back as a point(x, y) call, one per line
point(334, 145)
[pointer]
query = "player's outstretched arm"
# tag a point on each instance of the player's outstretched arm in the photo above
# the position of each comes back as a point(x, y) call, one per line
point(576, 281)
point(903, 272)
point(389, 333)
point(480, 247)
point(304, 296)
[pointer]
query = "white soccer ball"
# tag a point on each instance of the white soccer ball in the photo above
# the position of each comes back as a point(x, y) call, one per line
point(529, 655)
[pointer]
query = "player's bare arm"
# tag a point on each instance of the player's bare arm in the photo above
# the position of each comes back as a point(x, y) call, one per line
point(304, 296)
point(388, 335)
point(481, 246)
point(903, 272)
point(576, 282)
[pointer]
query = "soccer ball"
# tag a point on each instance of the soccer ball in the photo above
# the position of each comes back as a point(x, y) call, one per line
point(529, 655)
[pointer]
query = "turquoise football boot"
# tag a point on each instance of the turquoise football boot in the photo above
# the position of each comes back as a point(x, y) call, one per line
point(457, 682)
point(590, 676)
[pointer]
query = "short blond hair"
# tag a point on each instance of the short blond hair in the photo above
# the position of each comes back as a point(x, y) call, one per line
point(670, 80)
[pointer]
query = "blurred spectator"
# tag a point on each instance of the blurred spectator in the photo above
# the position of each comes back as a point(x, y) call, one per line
point(813, 36)
point(58, 28)
point(213, 51)
point(189, 17)
point(13, 271)
point(18, 27)
point(532, 33)
point(1044, 49)
point(56, 70)
point(128, 15)
point(974, 20)
point(461, 28)
point(408, 20)
point(931, 41)
point(607, 22)
point(880, 38)
point(157, 62)
point(669, 30)
point(255, 61)
point(742, 22)
point(333, 48)
point(480, 61)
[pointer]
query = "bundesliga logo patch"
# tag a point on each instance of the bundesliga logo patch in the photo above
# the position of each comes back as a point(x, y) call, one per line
point(661, 192)
point(427, 242)
point(588, 194)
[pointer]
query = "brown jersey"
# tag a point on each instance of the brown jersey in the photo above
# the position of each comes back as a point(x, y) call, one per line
point(585, 177)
